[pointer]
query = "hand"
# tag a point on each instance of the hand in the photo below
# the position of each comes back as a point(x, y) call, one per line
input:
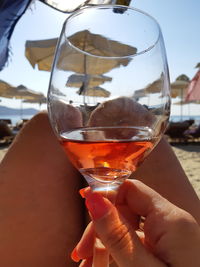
point(171, 235)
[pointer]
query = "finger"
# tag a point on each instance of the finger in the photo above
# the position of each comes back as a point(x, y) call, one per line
point(84, 249)
point(129, 216)
point(123, 208)
point(84, 191)
point(86, 263)
point(117, 235)
point(168, 229)
point(144, 201)
point(140, 198)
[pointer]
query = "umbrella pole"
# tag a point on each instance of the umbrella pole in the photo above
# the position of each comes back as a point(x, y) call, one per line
point(85, 86)
point(21, 109)
point(86, 78)
point(189, 109)
point(181, 112)
point(181, 104)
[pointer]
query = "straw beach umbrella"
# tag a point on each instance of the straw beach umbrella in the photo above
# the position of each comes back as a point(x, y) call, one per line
point(72, 60)
point(179, 88)
point(95, 91)
point(22, 93)
point(77, 80)
point(89, 84)
point(139, 93)
point(41, 53)
point(155, 86)
point(18, 92)
point(6, 89)
point(97, 45)
point(152, 88)
point(37, 99)
point(4, 86)
point(28, 96)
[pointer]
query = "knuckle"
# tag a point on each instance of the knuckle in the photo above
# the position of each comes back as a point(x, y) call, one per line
point(119, 238)
point(183, 220)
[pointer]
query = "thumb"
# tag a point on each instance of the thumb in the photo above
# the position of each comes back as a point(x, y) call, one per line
point(117, 235)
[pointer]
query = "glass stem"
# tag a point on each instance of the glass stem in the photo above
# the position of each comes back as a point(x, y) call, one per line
point(100, 254)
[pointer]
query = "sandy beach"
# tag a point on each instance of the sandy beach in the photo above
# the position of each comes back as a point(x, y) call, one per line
point(188, 155)
point(2, 152)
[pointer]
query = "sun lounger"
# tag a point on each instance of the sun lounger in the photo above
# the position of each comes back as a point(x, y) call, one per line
point(8, 121)
point(193, 134)
point(6, 134)
point(176, 131)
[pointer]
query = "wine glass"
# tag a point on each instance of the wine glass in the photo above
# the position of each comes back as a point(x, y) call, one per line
point(108, 98)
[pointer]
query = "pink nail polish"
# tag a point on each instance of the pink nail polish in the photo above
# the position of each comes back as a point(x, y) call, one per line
point(97, 206)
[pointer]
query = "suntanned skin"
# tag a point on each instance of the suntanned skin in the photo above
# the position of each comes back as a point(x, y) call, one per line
point(170, 235)
point(163, 172)
point(41, 214)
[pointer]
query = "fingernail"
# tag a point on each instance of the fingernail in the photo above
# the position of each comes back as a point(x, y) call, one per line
point(82, 192)
point(96, 206)
point(74, 255)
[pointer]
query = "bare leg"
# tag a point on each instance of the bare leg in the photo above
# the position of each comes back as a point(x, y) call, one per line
point(163, 172)
point(41, 215)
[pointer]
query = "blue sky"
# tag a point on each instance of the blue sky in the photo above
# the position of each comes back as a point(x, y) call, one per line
point(179, 21)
